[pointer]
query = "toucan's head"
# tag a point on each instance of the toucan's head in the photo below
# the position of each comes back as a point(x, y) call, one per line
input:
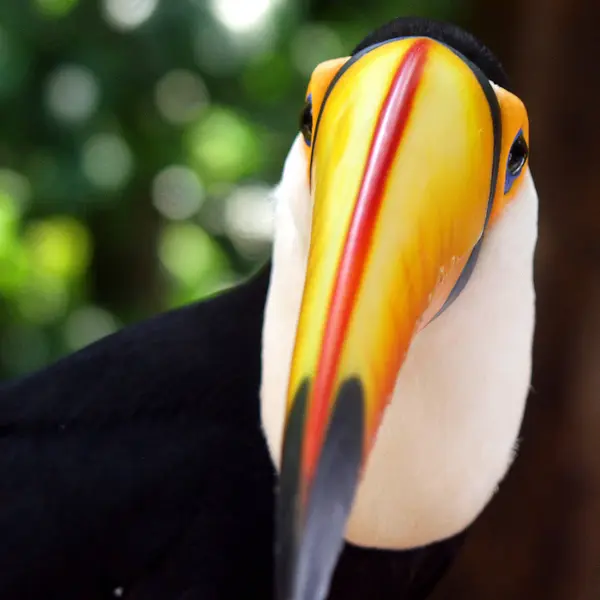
point(411, 153)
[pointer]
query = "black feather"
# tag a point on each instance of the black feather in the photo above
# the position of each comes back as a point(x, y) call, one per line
point(139, 463)
point(449, 34)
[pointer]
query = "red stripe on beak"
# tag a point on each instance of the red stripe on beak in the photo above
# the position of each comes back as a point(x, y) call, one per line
point(390, 128)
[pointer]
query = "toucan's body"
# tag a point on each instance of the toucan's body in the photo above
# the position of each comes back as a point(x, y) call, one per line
point(124, 473)
point(332, 427)
point(139, 463)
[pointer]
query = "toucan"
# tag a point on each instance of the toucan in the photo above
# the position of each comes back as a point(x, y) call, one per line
point(330, 428)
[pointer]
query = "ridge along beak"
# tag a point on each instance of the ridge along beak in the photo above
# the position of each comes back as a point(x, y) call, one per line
point(404, 168)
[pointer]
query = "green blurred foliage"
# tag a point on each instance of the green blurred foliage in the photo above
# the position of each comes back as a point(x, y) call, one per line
point(138, 143)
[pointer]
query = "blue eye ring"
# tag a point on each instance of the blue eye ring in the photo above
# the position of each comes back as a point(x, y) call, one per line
point(306, 121)
point(517, 159)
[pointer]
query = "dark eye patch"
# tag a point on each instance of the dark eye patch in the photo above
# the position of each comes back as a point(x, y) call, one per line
point(306, 121)
point(517, 159)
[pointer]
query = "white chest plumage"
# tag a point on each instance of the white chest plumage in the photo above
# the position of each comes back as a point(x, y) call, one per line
point(450, 430)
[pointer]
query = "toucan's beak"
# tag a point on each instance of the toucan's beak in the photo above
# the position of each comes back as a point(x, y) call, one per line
point(402, 175)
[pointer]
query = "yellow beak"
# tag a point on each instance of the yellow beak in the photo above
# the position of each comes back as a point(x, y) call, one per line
point(404, 169)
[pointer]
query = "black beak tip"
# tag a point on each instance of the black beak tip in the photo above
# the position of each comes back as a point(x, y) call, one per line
point(310, 537)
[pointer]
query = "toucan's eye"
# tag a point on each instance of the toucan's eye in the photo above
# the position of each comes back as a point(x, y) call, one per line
point(517, 157)
point(306, 121)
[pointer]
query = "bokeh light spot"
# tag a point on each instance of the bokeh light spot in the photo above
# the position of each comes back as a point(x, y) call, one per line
point(87, 325)
point(107, 161)
point(248, 219)
point(128, 14)
point(59, 247)
point(72, 93)
point(180, 96)
point(13, 262)
point(241, 16)
point(224, 146)
point(177, 193)
point(314, 44)
point(9, 216)
point(188, 252)
point(42, 299)
point(55, 8)
point(16, 186)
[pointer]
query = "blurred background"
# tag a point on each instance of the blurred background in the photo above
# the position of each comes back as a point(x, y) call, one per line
point(139, 140)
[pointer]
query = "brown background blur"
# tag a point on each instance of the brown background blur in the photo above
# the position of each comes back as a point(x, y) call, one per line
point(540, 537)
point(199, 107)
